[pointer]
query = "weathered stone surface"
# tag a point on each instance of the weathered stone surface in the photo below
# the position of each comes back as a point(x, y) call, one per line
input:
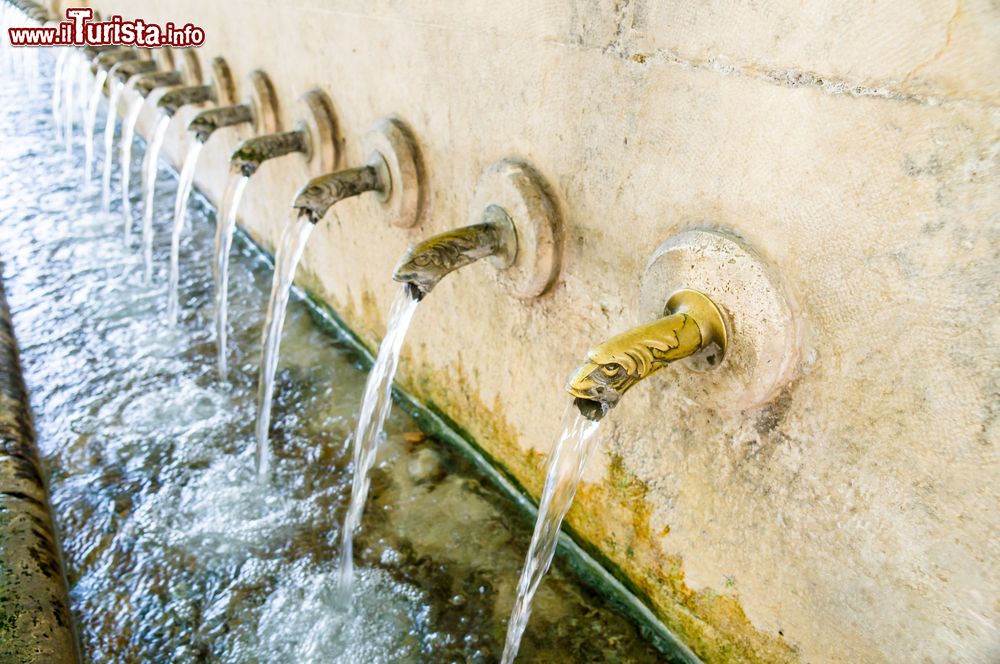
point(34, 616)
point(856, 147)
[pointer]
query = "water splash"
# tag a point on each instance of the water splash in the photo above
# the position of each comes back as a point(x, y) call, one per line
point(371, 421)
point(125, 161)
point(150, 167)
point(91, 120)
point(184, 187)
point(225, 227)
point(109, 142)
point(576, 443)
point(286, 259)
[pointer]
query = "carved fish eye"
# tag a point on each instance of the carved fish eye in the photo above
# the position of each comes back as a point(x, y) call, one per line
point(613, 370)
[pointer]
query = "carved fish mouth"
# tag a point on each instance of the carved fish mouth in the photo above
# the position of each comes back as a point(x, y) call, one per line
point(583, 386)
point(592, 410)
point(420, 283)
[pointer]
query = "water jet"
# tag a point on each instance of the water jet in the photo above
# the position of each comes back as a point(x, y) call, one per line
point(515, 226)
point(706, 298)
point(221, 89)
point(315, 140)
point(100, 67)
point(392, 172)
point(119, 77)
point(144, 85)
point(261, 111)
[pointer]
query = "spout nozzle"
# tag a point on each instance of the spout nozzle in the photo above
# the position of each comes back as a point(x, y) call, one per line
point(430, 261)
point(172, 101)
point(107, 59)
point(123, 71)
point(255, 151)
point(205, 123)
point(157, 79)
point(694, 324)
point(321, 193)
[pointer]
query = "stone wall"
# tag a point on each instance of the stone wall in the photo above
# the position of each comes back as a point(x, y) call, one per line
point(855, 145)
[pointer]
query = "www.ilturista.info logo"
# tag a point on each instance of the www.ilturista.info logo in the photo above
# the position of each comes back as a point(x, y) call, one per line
point(79, 30)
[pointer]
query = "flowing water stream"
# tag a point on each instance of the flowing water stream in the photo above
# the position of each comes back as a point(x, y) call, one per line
point(565, 469)
point(76, 97)
point(57, 89)
point(125, 161)
point(184, 186)
point(286, 260)
point(110, 123)
point(88, 128)
point(224, 231)
point(150, 167)
point(371, 423)
point(174, 550)
point(70, 80)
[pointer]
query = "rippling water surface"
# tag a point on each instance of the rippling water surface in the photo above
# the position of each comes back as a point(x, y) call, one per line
point(175, 552)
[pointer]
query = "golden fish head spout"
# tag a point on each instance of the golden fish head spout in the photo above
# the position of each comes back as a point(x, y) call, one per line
point(615, 366)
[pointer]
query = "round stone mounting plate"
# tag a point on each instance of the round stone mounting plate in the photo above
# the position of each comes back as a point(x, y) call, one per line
point(223, 86)
point(190, 67)
point(760, 314)
point(523, 195)
point(164, 58)
point(314, 113)
point(263, 104)
point(390, 145)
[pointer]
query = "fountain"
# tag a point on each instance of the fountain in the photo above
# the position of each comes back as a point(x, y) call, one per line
point(100, 68)
point(315, 138)
point(220, 90)
point(392, 171)
point(74, 78)
point(59, 74)
point(75, 97)
point(514, 227)
point(160, 501)
point(698, 287)
point(261, 112)
point(120, 76)
point(693, 325)
point(144, 86)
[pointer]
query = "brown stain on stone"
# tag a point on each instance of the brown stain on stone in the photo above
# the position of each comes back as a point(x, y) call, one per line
point(613, 517)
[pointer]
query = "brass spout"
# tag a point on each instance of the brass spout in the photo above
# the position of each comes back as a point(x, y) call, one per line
point(108, 59)
point(146, 83)
point(123, 71)
point(428, 262)
point(321, 193)
point(170, 102)
point(255, 151)
point(694, 324)
point(205, 123)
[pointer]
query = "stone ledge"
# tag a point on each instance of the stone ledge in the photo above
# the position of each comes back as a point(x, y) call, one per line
point(35, 623)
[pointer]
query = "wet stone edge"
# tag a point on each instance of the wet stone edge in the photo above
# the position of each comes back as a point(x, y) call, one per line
point(35, 621)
